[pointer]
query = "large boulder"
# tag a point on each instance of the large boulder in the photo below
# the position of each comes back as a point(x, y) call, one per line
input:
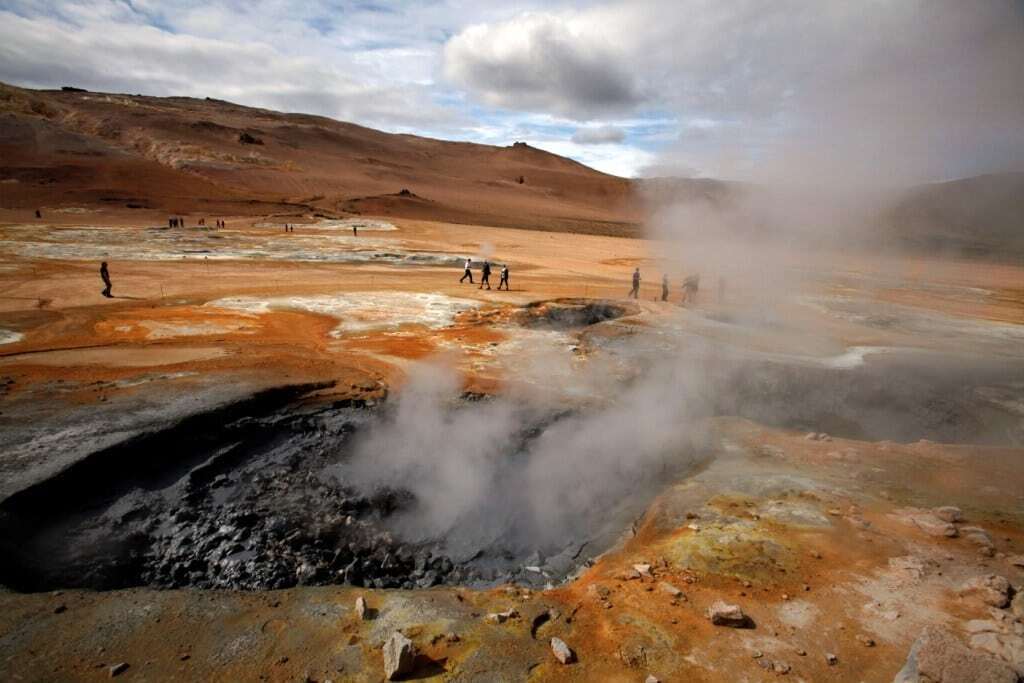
point(938, 657)
point(399, 655)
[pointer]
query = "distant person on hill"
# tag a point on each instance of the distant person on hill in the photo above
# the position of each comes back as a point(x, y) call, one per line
point(355, 231)
point(504, 277)
point(38, 214)
point(690, 286)
point(635, 292)
point(105, 274)
point(468, 273)
point(664, 287)
point(485, 275)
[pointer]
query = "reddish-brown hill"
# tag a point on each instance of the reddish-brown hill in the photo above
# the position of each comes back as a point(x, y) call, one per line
point(189, 155)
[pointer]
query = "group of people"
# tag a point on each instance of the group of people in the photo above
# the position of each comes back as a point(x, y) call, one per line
point(690, 286)
point(485, 274)
point(177, 222)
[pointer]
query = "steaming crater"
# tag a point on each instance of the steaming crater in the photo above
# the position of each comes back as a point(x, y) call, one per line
point(266, 495)
point(430, 489)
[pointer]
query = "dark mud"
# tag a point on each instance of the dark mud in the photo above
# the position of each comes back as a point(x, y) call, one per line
point(252, 497)
point(572, 313)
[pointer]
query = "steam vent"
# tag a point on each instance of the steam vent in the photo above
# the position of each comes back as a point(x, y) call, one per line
point(627, 342)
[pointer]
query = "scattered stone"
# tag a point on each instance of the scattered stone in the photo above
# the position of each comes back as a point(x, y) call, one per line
point(60, 609)
point(671, 590)
point(1016, 560)
point(948, 513)
point(781, 668)
point(801, 652)
point(651, 678)
point(563, 653)
point(361, 608)
point(831, 659)
point(643, 570)
point(723, 614)
point(866, 641)
point(118, 669)
point(938, 656)
point(451, 637)
point(399, 654)
point(757, 654)
point(502, 617)
point(990, 589)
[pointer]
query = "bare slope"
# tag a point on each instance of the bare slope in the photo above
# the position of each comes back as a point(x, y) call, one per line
point(189, 155)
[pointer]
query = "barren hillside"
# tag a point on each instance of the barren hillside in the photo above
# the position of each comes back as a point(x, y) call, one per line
point(190, 155)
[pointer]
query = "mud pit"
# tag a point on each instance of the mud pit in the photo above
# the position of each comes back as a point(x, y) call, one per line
point(259, 496)
point(263, 494)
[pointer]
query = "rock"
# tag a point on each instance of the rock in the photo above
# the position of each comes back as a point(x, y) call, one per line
point(938, 657)
point(811, 436)
point(781, 668)
point(1016, 560)
point(723, 614)
point(1007, 646)
point(563, 653)
point(831, 659)
point(866, 641)
point(1017, 606)
point(934, 526)
point(643, 569)
point(502, 617)
point(399, 654)
point(990, 589)
point(671, 590)
point(651, 678)
point(118, 669)
point(948, 513)
point(361, 608)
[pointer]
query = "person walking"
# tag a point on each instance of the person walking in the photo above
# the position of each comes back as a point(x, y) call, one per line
point(635, 292)
point(664, 287)
point(105, 274)
point(485, 275)
point(504, 277)
point(468, 273)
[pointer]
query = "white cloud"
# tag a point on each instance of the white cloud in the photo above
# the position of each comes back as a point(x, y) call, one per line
point(598, 135)
point(542, 61)
point(871, 91)
point(617, 159)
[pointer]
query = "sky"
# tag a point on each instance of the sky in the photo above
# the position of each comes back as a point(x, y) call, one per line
point(873, 91)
